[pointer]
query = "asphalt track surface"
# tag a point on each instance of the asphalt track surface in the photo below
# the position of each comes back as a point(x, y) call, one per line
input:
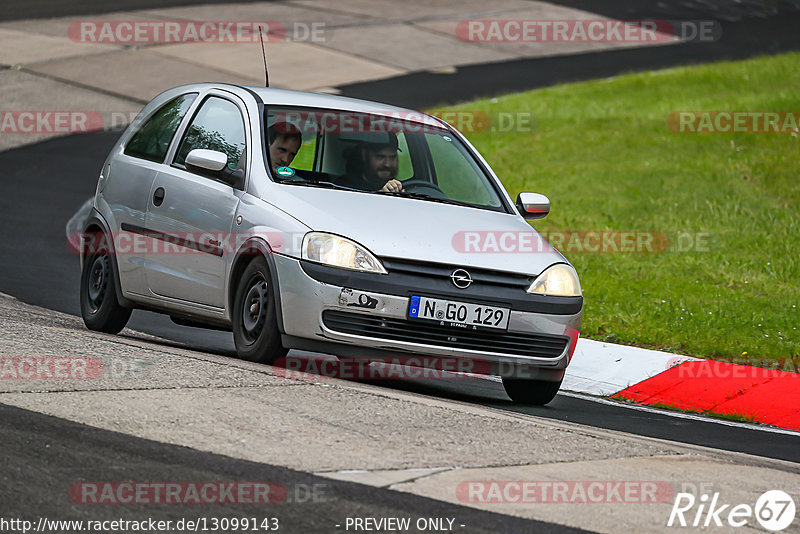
point(43, 457)
point(44, 184)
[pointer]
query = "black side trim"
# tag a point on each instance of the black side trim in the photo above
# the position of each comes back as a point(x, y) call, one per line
point(195, 323)
point(173, 239)
point(405, 283)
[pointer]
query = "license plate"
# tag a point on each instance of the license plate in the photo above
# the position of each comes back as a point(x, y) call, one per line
point(459, 314)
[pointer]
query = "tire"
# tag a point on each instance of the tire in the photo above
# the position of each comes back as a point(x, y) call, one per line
point(255, 319)
point(527, 391)
point(100, 309)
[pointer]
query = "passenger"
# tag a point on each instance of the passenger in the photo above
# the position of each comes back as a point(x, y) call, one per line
point(284, 144)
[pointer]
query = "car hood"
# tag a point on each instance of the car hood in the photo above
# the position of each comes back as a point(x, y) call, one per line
point(396, 227)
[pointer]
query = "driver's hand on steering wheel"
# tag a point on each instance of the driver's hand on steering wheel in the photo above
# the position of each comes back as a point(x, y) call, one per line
point(393, 186)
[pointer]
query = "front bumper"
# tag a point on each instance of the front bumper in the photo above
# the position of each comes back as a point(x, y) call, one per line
point(304, 301)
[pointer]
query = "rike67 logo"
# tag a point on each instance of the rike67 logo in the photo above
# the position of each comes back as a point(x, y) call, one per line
point(774, 510)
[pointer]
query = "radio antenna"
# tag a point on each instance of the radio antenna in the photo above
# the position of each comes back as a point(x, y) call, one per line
point(264, 55)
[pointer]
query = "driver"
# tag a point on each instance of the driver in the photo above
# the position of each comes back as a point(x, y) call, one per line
point(377, 167)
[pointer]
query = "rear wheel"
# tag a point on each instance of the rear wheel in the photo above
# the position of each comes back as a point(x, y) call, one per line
point(100, 309)
point(255, 320)
point(526, 391)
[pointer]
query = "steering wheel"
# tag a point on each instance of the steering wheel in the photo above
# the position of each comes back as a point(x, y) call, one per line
point(424, 187)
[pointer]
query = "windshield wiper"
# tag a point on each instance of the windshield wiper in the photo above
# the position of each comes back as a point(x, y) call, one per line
point(316, 183)
point(423, 196)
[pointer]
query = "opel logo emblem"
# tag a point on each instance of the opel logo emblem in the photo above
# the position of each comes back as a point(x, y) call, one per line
point(461, 279)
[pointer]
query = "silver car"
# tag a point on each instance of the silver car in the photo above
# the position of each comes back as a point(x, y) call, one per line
point(307, 221)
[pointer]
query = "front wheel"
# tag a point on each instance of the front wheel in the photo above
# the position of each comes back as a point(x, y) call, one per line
point(100, 309)
point(527, 391)
point(255, 320)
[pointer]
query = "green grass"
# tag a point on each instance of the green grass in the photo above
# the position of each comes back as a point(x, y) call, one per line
point(602, 152)
point(738, 417)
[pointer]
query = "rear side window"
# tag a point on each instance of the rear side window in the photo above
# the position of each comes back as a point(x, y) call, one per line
point(152, 140)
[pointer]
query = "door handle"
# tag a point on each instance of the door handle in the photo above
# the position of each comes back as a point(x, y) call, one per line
point(158, 196)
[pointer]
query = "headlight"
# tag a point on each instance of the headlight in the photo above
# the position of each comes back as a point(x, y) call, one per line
point(339, 252)
point(559, 280)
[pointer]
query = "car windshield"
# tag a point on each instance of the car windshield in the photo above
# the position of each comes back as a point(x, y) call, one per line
point(378, 154)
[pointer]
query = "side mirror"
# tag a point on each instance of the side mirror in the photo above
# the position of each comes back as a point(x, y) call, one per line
point(209, 160)
point(215, 164)
point(533, 205)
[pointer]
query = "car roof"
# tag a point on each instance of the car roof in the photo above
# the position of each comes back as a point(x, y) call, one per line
point(287, 97)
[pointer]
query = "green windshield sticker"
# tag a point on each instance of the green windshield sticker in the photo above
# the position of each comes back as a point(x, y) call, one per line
point(285, 171)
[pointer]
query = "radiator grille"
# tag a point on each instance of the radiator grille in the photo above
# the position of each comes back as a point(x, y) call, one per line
point(535, 345)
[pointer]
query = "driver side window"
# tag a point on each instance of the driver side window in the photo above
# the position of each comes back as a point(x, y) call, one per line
point(217, 126)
